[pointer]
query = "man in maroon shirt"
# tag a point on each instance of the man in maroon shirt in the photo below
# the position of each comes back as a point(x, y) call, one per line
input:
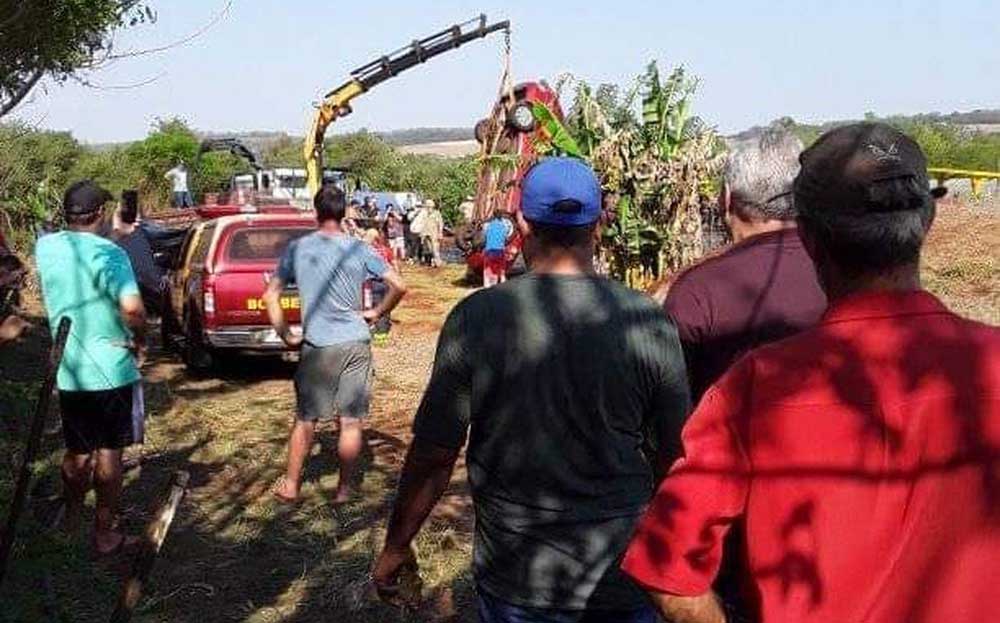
point(863, 454)
point(760, 290)
point(764, 287)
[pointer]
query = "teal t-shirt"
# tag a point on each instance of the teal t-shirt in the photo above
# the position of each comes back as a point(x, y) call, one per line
point(84, 276)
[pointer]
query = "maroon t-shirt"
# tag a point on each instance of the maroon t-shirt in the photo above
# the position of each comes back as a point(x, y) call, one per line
point(761, 290)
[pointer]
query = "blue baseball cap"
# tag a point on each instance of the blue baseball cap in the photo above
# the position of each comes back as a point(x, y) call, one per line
point(561, 191)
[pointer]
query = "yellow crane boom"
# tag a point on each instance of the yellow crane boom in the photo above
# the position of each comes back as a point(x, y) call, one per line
point(336, 103)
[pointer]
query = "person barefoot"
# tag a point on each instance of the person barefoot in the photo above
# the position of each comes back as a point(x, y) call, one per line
point(100, 386)
point(334, 375)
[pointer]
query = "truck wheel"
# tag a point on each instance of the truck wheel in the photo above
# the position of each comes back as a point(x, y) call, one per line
point(198, 357)
point(482, 130)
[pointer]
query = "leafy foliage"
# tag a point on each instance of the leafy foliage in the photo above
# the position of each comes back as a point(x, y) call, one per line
point(34, 168)
point(946, 144)
point(56, 38)
point(657, 167)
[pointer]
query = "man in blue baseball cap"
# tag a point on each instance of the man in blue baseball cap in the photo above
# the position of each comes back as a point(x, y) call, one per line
point(569, 389)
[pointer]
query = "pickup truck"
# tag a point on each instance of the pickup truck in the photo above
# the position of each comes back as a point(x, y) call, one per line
point(219, 276)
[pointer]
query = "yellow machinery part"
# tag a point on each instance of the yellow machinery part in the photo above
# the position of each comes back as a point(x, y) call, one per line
point(326, 114)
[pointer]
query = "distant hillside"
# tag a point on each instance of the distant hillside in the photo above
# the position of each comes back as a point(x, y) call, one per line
point(986, 121)
point(420, 136)
point(444, 149)
point(262, 140)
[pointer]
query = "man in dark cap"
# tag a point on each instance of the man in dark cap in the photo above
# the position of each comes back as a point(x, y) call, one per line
point(88, 279)
point(558, 380)
point(862, 453)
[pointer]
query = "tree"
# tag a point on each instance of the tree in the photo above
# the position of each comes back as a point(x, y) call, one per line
point(57, 38)
point(34, 169)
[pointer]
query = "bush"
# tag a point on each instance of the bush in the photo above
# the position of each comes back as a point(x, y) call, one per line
point(34, 168)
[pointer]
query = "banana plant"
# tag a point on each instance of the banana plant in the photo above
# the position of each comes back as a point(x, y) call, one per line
point(659, 164)
point(554, 132)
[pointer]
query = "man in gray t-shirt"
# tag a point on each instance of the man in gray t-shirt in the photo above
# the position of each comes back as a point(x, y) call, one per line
point(329, 268)
point(571, 391)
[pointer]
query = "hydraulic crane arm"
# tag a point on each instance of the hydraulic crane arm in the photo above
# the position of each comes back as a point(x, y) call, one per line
point(336, 103)
point(234, 146)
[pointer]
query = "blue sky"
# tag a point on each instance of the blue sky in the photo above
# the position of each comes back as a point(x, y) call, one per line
point(262, 66)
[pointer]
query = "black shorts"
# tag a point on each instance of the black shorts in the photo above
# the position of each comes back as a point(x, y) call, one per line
point(102, 420)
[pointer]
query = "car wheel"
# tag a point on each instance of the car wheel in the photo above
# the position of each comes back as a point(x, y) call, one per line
point(521, 117)
point(198, 356)
point(482, 131)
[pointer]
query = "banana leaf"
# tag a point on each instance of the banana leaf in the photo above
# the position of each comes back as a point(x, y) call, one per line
point(557, 133)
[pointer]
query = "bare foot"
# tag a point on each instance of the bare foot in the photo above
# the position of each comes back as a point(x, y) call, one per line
point(12, 328)
point(285, 491)
point(344, 495)
point(111, 542)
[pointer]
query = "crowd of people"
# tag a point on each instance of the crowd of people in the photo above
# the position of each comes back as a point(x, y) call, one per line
point(411, 234)
point(800, 432)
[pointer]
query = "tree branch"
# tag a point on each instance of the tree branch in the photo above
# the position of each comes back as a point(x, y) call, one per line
point(22, 92)
point(188, 39)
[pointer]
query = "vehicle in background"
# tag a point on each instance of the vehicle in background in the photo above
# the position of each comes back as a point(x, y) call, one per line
point(264, 185)
point(219, 276)
point(511, 130)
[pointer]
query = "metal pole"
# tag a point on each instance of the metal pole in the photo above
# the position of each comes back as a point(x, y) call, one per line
point(34, 439)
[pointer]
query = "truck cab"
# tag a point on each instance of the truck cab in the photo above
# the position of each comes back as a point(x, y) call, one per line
point(219, 277)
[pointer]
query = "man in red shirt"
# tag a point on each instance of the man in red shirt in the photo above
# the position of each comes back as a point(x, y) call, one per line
point(863, 454)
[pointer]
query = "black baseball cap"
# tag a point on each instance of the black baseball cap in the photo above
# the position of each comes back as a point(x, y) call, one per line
point(841, 168)
point(85, 197)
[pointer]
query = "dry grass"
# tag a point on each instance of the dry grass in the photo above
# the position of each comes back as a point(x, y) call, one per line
point(962, 260)
point(236, 555)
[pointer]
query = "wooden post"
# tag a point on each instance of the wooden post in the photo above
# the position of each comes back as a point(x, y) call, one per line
point(34, 439)
point(156, 533)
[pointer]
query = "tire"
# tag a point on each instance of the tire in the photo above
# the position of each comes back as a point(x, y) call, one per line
point(198, 356)
point(481, 131)
point(521, 118)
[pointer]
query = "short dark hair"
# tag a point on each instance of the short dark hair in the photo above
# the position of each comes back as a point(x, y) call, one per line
point(83, 201)
point(887, 234)
point(563, 237)
point(83, 220)
point(130, 206)
point(330, 204)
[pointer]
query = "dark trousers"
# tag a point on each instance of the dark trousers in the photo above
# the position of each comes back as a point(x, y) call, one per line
point(493, 610)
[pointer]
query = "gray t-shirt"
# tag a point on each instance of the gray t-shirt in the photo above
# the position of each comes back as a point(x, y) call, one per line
point(562, 383)
point(330, 272)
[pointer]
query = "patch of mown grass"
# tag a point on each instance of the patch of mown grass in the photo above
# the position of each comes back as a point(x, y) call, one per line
point(49, 576)
point(961, 262)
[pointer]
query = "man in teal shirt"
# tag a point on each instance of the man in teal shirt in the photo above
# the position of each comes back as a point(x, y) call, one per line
point(89, 280)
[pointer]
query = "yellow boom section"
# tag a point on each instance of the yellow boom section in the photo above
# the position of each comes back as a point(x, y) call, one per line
point(334, 105)
point(976, 178)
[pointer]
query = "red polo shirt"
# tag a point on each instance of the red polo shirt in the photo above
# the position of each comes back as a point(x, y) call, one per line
point(864, 455)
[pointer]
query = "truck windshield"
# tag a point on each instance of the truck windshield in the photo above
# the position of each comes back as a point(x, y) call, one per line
point(262, 244)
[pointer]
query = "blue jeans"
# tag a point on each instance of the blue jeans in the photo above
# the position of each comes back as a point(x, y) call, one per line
point(183, 200)
point(493, 610)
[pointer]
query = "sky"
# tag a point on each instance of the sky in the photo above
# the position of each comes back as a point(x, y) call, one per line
point(264, 64)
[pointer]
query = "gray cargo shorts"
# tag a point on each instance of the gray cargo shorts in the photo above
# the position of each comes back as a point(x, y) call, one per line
point(334, 381)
